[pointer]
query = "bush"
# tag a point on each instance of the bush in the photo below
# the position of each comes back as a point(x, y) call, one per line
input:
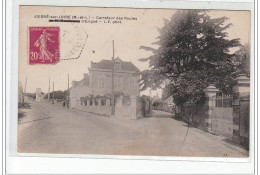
point(178, 116)
point(144, 105)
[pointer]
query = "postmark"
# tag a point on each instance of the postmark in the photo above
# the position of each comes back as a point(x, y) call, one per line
point(44, 45)
point(73, 39)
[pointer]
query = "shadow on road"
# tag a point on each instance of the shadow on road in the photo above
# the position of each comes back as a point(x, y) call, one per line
point(24, 105)
point(161, 114)
point(21, 114)
point(35, 120)
point(229, 141)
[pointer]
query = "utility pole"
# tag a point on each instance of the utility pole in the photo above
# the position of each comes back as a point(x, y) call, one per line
point(68, 100)
point(113, 93)
point(49, 90)
point(53, 93)
point(24, 90)
point(25, 85)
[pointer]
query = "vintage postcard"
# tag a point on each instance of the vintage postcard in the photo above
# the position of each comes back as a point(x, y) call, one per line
point(129, 81)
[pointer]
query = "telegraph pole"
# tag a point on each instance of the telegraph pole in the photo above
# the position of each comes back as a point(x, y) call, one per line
point(68, 100)
point(24, 90)
point(25, 85)
point(53, 93)
point(49, 90)
point(113, 93)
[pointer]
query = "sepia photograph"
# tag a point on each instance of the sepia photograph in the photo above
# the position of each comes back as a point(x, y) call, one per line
point(134, 81)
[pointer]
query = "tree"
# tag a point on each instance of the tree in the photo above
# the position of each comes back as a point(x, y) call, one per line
point(242, 59)
point(193, 53)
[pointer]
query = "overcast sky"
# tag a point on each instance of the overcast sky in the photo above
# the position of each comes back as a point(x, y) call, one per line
point(128, 38)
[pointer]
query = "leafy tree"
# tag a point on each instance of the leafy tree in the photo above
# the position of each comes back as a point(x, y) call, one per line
point(146, 104)
point(242, 59)
point(193, 53)
point(31, 95)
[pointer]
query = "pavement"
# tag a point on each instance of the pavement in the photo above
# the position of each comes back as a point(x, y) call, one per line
point(47, 128)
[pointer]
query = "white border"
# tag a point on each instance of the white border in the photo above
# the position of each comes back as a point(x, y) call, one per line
point(99, 163)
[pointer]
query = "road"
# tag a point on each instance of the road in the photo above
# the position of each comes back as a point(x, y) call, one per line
point(47, 128)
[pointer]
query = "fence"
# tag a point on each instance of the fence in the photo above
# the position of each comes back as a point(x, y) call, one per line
point(100, 110)
point(223, 100)
point(227, 115)
point(125, 106)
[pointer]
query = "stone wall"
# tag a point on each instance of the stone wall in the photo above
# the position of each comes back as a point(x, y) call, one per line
point(126, 111)
point(76, 93)
point(100, 110)
point(241, 113)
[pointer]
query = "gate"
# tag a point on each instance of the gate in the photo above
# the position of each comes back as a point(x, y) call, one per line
point(222, 118)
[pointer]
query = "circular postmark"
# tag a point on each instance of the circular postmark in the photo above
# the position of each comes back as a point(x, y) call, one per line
point(73, 40)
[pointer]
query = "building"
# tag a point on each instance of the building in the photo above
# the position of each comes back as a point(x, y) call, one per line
point(125, 77)
point(79, 89)
point(95, 89)
point(168, 104)
point(39, 95)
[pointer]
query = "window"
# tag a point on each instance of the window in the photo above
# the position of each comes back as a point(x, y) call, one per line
point(132, 83)
point(118, 83)
point(101, 82)
point(117, 65)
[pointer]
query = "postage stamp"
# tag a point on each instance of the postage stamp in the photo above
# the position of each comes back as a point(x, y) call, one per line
point(44, 45)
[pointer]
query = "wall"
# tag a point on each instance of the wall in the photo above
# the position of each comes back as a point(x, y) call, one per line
point(244, 127)
point(100, 110)
point(126, 110)
point(76, 93)
point(241, 111)
point(123, 109)
point(222, 121)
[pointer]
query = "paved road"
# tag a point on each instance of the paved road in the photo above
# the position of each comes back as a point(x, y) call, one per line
point(46, 128)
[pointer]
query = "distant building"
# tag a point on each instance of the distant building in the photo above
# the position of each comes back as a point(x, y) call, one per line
point(168, 104)
point(98, 83)
point(39, 95)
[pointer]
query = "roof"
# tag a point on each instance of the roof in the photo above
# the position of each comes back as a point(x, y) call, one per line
point(83, 82)
point(107, 64)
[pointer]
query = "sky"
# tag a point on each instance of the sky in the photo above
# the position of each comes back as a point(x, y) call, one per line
point(128, 37)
